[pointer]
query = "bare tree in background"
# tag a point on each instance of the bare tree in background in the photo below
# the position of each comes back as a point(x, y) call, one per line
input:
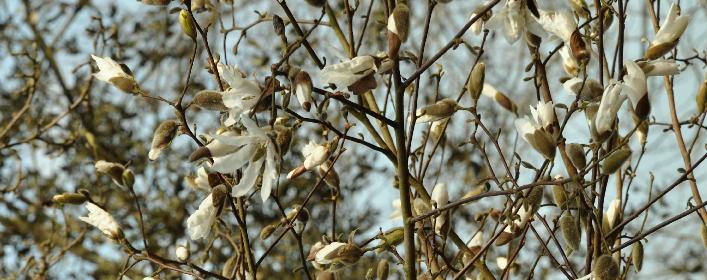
point(209, 139)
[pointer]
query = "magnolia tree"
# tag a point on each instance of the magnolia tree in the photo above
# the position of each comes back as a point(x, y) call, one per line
point(353, 139)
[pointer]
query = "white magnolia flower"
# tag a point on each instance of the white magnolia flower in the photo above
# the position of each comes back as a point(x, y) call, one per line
point(498, 96)
point(348, 72)
point(440, 198)
point(558, 23)
point(254, 148)
point(636, 89)
point(502, 262)
point(303, 89)
point(478, 25)
point(611, 101)
point(242, 94)
point(659, 67)
point(569, 63)
point(102, 220)
point(111, 72)
point(201, 182)
point(200, 222)
point(328, 253)
point(536, 129)
point(515, 19)
point(477, 240)
point(667, 36)
point(314, 154)
point(442, 109)
point(182, 253)
point(397, 209)
point(612, 215)
point(591, 90)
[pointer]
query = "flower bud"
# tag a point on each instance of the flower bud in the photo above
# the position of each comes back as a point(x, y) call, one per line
point(614, 161)
point(569, 231)
point(278, 25)
point(69, 198)
point(398, 27)
point(606, 268)
point(637, 255)
point(209, 100)
point(182, 253)
point(438, 128)
point(267, 231)
point(128, 178)
point(218, 194)
point(576, 154)
point(303, 89)
point(163, 136)
point(229, 268)
point(559, 195)
point(701, 98)
point(187, 24)
point(437, 111)
point(476, 81)
point(534, 198)
point(114, 170)
point(393, 237)
point(383, 270)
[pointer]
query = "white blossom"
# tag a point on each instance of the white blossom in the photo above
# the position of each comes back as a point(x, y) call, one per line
point(502, 262)
point(535, 129)
point(636, 88)
point(242, 94)
point(613, 214)
point(592, 88)
point(569, 63)
point(314, 154)
point(102, 220)
point(327, 254)
point(477, 240)
point(254, 148)
point(348, 72)
point(515, 19)
point(182, 253)
point(202, 180)
point(200, 222)
point(670, 31)
point(611, 101)
point(440, 198)
point(659, 67)
point(558, 23)
point(111, 72)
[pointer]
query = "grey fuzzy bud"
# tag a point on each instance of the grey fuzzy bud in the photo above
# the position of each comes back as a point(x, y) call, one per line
point(163, 136)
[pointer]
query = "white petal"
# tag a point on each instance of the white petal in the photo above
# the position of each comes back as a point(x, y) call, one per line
point(610, 103)
point(250, 175)
point(635, 81)
point(270, 173)
point(348, 72)
point(326, 254)
point(230, 163)
point(199, 223)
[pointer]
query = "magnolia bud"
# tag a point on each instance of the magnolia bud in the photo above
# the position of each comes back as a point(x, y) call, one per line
point(576, 154)
point(303, 89)
point(701, 97)
point(267, 231)
point(383, 269)
point(394, 236)
point(606, 268)
point(69, 198)
point(209, 100)
point(182, 253)
point(440, 110)
point(476, 81)
point(560, 196)
point(229, 268)
point(163, 136)
point(569, 231)
point(128, 178)
point(278, 25)
point(614, 161)
point(637, 255)
point(187, 24)
point(115, 170)
point(218, 194)
point(505, 237)
point(398, 27)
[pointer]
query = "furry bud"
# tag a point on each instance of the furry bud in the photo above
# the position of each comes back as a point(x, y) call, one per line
point(476, 81)
point(569, 231)
point(559, 195)
point(383, 270)
point(576, 155)
point(701, 98)
point(398, 27)
point(606, 268)
point(128, 178)
point(163, 136)
point(637, 255)
point(267, 231)
point(187, 24)
point(209, 100)
point(614, 161)
point(69, 198)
